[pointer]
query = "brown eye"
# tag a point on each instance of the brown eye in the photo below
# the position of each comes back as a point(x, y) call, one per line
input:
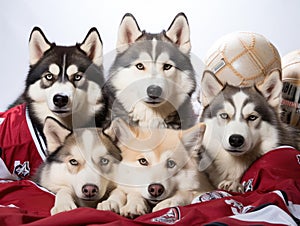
point(167, 67)
point(73, 162)
point(140, 66)
point(49, 77)
point(77, 77)
point(143, 162)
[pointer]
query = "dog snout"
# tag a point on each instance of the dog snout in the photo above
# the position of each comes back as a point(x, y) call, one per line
point(60, 100)
point(236, 140)
point(90, 190)
point(156, 190)
point(154, 91)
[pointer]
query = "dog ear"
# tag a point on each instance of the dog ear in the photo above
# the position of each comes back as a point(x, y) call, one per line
point(210, 87)
point(179, 33)
point(38, 45)
point(119, 131)
point(192, 137)
point(55, 134)
point(92, 46)
point(271, 88)
point(128, 33)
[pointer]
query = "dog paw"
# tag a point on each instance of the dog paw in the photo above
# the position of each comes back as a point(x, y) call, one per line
point(132, 211)
point(166, 204)
point(232, 186)
point(62, 207)
point(109, 205)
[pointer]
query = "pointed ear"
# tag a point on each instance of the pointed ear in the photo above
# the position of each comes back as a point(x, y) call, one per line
point(192, 137)
point(210, 87)
point(179, 33)
point(38, 45)
point(271, 88)
point(92, 46)
point(128, 33)
point(119, 131)
point(55, 134)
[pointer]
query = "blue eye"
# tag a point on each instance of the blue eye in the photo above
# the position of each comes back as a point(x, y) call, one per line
point(252, 117)
point(77, 77)
point(171, 163)
point(104, 161)
point(224, 115)
point(49, 77)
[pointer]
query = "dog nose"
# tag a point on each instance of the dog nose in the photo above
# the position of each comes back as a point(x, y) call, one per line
point(236, 140)
point(156, 190)
point(60, 100)
point(90, 190)
point(154, 91)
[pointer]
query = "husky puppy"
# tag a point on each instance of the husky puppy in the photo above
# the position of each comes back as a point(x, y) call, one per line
point(242, 124)
point(65, 82)
point(79, 166)
point(158, 169)
point(152, 79)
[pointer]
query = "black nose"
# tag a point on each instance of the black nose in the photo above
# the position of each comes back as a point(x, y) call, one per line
point(156, 190)
point(236, 140)
point(60, 100)
point(90, 190)
point(154, 91)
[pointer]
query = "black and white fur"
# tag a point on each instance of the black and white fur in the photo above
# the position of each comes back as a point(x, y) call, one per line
point(152, 78)
point(65, 82)
point(242, 124)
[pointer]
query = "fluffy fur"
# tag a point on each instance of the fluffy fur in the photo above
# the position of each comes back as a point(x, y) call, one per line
point(79, 166)
point(242, 124)
point(158, 169)
point(65, 82)
point(152, 79)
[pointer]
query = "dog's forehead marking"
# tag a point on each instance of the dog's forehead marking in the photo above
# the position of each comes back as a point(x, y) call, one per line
point(72, 69)
point(239, 100)
point(154, 44)
point(54, 69)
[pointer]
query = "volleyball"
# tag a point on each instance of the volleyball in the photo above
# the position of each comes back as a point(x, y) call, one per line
point(242, 58)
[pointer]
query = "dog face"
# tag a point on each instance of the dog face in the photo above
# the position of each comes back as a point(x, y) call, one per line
point(152, 69)
point(155, 163)
point(241, 119)
point(81, 161)
point(65, 80)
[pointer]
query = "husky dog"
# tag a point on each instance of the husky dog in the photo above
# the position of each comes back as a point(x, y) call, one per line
point(158, 169)
point(152, 79)
point(242, 124)
point(79, 166)
point(65, 82)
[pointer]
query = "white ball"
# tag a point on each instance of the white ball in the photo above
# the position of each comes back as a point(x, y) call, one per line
point(242, 58)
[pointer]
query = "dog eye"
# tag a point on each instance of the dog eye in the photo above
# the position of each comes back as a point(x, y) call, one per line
point(104, 161)
point(167, 67)
point(224, 115)
point(140, 66)
point(49, 77)
point(143, 162)
point(171, 164)
point(77, 77)
point(73, 162)
point(252, 117)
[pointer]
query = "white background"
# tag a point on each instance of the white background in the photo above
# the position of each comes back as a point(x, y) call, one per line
point(68, 21)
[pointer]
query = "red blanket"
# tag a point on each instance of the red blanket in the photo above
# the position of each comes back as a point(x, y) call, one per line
point(273, 198)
